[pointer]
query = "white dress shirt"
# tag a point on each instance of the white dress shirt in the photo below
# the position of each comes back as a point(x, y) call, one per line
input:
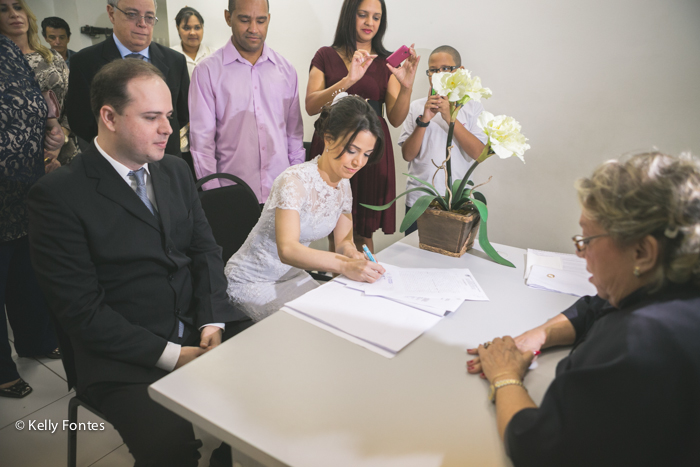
point(203, 52)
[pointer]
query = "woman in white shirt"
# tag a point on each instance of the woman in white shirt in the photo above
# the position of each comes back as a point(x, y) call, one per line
point(190, 27)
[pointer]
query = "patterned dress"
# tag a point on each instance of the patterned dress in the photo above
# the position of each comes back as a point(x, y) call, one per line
point(258, 282)
point(374, 184)
point(23, 112)
point(54, 76)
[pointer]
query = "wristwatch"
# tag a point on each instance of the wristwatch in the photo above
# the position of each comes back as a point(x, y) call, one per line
point(500, 384)
point(421, 123)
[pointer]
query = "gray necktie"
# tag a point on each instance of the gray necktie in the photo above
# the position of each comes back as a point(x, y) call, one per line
point(136, 56)
point(141, 191)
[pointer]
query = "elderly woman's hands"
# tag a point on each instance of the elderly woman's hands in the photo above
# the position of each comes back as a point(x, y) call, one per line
point(500, 359)
point(532, 340)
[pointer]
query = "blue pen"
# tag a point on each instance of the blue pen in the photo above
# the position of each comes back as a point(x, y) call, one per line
point(368, 253)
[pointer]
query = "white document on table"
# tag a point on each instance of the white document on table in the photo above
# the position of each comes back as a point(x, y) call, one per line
point(561, 280)
point(550, 259)
point(381, 325)
point(558, 272)
point(425, 283)
point(436, 306)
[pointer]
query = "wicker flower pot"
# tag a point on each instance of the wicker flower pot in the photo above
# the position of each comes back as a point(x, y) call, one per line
point(447, 233)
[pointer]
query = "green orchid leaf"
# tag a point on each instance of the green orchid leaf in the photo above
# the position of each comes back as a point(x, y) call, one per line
point(435, 192)
point(459, 193)
point(388, 205)
point(448, 163)
point(416, 211)
point(483, 236)
point(455, 187)
point(478, 195)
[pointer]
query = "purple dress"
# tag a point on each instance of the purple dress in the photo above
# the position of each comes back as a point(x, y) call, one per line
point(373, 184)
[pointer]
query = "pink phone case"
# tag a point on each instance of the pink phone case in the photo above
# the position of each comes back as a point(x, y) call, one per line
point(398, 57)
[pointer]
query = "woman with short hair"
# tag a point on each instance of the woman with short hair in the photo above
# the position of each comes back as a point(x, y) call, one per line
point(629, 392)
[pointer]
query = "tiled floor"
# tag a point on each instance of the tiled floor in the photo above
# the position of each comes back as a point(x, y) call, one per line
point(49, 401)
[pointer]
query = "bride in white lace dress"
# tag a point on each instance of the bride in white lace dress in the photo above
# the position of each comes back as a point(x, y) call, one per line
point(307, 202)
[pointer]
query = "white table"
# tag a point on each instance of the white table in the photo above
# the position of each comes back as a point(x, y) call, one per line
point(287, 393)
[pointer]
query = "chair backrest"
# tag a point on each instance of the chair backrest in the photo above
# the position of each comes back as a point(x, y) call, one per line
point(232, 212)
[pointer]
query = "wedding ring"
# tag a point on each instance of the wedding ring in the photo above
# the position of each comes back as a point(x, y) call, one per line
point(486, 345)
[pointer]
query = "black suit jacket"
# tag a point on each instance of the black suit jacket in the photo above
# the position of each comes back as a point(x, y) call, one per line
point(118, 280)
point(85, 64)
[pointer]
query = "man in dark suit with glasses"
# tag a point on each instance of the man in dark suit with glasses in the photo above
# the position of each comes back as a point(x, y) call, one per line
point(133, 22)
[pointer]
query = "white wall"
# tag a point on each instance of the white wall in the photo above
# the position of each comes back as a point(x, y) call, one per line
point(588, 81)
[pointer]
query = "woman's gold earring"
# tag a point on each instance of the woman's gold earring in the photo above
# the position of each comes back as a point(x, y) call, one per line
point(637, 272)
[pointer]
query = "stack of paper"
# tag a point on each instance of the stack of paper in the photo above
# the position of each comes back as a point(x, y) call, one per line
point(558, 272)
point(383, 326)
point(388, 315)
point(436, 291)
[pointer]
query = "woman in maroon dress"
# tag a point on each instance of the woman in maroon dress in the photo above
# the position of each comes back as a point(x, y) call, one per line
point(356, 64)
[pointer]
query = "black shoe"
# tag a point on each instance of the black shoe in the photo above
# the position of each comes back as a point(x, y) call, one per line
point(17, 391)
point(55, 354)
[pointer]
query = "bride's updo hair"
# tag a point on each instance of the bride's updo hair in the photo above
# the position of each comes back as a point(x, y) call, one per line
point(349, 116)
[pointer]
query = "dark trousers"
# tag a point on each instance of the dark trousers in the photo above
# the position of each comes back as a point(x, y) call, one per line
point(413, 226)
point(154, 435)
point(26, 309)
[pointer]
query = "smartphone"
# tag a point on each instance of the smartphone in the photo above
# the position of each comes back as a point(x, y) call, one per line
point(399, 56)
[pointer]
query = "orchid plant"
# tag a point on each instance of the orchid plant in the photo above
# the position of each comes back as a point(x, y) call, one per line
point(504, 140)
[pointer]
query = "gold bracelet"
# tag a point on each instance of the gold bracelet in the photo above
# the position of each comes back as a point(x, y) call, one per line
point(502, 383)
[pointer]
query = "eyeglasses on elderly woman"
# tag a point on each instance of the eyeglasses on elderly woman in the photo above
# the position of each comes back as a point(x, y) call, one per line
point(581, 242)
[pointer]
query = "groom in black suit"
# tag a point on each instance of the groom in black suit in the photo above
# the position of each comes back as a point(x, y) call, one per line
point(128, 264)
point(133, 22)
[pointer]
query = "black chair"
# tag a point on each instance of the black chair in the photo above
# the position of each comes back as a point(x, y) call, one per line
point(232, 212)
point(73, 405)
point(307, 148)
point(68, 360)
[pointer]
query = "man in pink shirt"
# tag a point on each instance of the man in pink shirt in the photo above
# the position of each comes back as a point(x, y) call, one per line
point(245, 117)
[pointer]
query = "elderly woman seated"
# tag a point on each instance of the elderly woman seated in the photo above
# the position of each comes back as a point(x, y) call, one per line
point(629, 392)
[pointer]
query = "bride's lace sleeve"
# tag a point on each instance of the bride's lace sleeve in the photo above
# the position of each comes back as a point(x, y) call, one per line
point(288, 192)
point(347, 198)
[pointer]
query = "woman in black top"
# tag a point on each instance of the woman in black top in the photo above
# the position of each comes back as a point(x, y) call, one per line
point(629, 392)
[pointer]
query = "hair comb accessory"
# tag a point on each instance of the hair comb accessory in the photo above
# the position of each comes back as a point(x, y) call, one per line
point(339, 96)
point(671, 231)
